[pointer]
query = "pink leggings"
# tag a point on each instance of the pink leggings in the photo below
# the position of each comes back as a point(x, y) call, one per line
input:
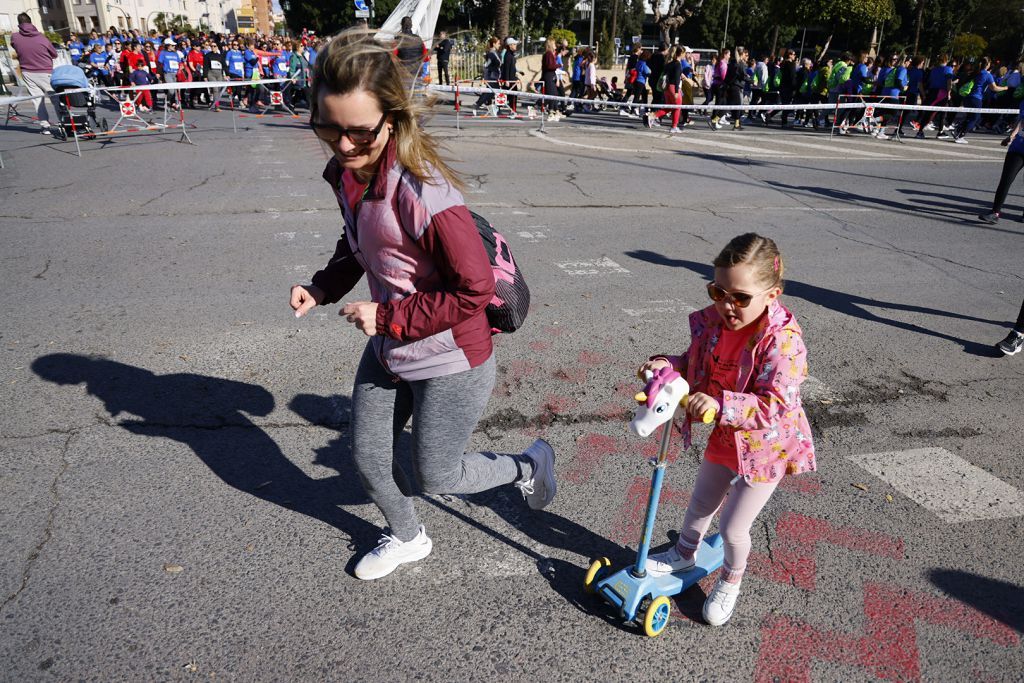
point(744, 502)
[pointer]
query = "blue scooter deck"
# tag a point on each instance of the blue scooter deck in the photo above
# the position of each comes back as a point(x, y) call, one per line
point(625, 591)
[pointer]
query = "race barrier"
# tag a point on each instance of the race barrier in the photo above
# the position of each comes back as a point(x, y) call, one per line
point(130, 120)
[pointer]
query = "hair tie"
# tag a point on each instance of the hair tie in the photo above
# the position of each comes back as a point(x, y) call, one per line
point(776, 264)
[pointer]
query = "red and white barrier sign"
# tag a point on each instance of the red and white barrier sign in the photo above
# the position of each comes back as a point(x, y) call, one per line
point(501, 99)
point(276, 98)
point(128, 108)
point(869, 110)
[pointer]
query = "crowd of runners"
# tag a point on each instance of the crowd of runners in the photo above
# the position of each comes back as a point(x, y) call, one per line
point(734, 77)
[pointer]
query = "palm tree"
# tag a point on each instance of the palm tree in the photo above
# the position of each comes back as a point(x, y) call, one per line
point(501, 19)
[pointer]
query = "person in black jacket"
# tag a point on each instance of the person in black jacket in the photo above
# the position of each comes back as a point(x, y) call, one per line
point(509, 70)
point(492, 72)
point(787, 84)
point(443, 50)
point(735, 81)
point(410, 49)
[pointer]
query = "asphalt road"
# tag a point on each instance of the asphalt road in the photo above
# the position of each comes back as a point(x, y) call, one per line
point(176, 489)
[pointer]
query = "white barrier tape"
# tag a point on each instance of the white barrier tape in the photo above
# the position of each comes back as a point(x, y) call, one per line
point(191, 85)
point(534, 96)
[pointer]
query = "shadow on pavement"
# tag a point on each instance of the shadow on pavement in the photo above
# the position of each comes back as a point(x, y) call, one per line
point(852, 305)
point(210, 415)
point(998, 599)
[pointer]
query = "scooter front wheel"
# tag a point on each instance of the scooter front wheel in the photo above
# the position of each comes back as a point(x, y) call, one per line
point(597, 571)
point(656, 616)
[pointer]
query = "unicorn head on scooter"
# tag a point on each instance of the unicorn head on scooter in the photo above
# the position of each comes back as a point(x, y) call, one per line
point(664, 392)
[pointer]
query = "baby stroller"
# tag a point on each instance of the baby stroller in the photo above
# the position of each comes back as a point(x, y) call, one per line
point(71, 119)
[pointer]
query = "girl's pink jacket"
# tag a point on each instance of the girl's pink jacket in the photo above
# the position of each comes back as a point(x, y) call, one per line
point(772, 434)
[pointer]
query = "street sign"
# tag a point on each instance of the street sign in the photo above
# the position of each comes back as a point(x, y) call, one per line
point(869, 110)
point(618, 42)
point(361, 5)
point(276, 98)
point(501, 99)
point(128, 108)
point(362, 14)
point(636, 39)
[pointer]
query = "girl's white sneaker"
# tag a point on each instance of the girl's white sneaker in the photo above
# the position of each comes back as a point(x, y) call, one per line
point(667, 562)
point(391, 553)
point(720, 604)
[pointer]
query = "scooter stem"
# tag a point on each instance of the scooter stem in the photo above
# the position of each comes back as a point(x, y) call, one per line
point(638, 570)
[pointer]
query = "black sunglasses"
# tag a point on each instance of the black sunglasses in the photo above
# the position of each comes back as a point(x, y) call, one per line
point(330, 133)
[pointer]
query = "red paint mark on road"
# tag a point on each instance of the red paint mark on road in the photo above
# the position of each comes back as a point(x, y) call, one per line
point(590, 450)
point(793, 558)
point(574, 375)
point(631, 517)
point(616, 409)
point(888, 647)
point(560, 405)
point(593, 358)
point(628, 389)
point(522, 368)
point(539, 346)
point(553, 331)
point(803, 483)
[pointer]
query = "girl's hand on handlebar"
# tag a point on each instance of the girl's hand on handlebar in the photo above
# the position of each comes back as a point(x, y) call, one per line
point(699, 404)
point(651, 366)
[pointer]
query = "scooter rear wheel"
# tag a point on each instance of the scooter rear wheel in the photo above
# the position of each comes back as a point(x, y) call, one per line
point(597, 571)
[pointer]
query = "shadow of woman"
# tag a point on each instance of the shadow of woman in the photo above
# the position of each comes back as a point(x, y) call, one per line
point(210, 415)
point(852, 305)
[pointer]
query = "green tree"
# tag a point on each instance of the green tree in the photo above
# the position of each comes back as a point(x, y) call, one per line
point(969, 45)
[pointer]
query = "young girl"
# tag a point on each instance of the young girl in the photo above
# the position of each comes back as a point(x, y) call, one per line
point(429, 356)
point(745, 362)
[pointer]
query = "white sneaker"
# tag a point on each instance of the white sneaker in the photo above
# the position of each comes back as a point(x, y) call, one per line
point(539, 490)
point(720, 604)
point(667, 562)
point(675, 130)
point(930, 126)
point(960, 140)
point(391, 552)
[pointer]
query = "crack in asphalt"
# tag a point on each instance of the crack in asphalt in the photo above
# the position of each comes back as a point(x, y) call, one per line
point(202, 182)
point(47, 533)
point(40, 274)
point(571, 179)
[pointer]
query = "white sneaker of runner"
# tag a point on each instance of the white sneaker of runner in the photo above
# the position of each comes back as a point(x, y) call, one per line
point(960, 140)
point(930, 126)
point(675, 130)
point(720, 604)
point(391, 553)
point(540, 488)
point(667, 562)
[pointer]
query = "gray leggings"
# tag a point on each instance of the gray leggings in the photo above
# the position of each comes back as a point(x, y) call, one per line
point(444, 411)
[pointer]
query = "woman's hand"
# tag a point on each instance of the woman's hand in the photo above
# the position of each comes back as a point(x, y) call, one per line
point(651, 366)
point(699, 404)
point(1006, 141)
point(362, 314)
point(305, 298)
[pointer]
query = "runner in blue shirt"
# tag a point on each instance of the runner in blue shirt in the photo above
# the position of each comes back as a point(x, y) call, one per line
point(98, 65)
point(972, 87)
point(170, 62)
point(1012, 165)
point(76, 49)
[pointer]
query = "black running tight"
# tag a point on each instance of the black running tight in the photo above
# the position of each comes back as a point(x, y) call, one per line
point(1012, 165)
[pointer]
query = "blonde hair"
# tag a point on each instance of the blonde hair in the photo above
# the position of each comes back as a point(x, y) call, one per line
point(760, 253)
point(352, 61)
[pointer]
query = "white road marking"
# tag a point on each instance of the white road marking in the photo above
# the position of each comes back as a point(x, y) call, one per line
point(944, 483)
point(284, 235)
point(601, 266)
point(532, 236)
point(827, 209)
point(832, 148)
